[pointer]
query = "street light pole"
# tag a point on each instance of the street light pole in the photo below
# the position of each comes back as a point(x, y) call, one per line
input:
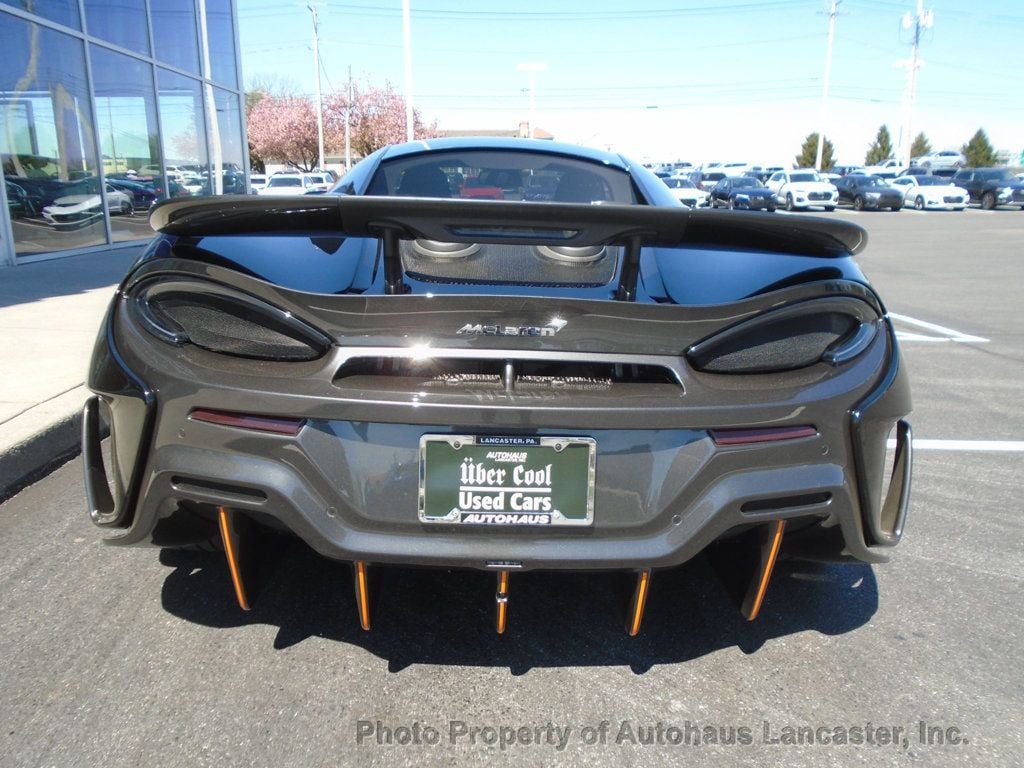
point(348, 124)
point(407, 46)
point(920, 20)
point(824, 91)
point(319, 94)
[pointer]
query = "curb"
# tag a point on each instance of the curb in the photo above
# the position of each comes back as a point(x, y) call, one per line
point(54, 443)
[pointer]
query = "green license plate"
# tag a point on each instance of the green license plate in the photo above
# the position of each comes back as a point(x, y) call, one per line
point(510, 481)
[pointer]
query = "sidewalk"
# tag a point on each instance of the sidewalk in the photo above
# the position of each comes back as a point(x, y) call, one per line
point(50, 313)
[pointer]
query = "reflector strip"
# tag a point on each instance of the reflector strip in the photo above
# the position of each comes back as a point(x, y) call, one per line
point(760, 434)
point(362, 596)
point(230, 539)
point(759, 585)
point(502, 602)
point(277, 425)
point(636, 611)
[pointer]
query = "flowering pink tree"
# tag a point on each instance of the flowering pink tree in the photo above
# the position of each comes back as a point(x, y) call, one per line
point(378, 119)
point(283, 128)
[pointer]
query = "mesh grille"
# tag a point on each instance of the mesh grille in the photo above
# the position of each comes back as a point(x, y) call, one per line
point(454, 374)
point(229, 327)
point(497, 264)
point(778, 346)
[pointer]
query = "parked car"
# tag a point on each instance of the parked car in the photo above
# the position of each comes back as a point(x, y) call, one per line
point(257, 181)
point(176, 172)
point(686, 192)
point(288, 184)
point(707, 179)
point(991, 187)
point(19, 204)
point(498, 385)
point(143, 193)
point(864, 192)
point(319, 182)
point(947, 158)
point(931, 193)
point(887, 169)
point(802, 188)
point(844, 170)
point(85, 206)
point(744, 192)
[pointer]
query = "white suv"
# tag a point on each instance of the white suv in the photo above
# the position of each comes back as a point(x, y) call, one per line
point(802, 188)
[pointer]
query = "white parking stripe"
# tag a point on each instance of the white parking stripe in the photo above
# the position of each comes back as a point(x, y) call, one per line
point(946, 334)
point(1011, 446)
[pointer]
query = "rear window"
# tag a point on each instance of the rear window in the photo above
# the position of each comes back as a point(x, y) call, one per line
point(502, 175)
point(285, 181)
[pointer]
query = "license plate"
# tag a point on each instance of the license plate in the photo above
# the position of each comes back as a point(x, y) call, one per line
point(507, 481)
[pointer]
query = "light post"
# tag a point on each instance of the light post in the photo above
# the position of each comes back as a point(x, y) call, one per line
point(532, 68)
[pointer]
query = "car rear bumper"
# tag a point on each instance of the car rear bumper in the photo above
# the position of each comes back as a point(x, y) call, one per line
point(347, 483)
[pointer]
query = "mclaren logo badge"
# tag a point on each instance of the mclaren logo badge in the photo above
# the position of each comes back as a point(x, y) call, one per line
point(480, 329)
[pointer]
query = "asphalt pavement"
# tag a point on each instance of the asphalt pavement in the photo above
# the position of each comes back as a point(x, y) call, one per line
point(141, 656)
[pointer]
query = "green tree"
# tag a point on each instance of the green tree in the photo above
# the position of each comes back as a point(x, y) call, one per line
point(978, 151)
point(881, 148)
point(921, 146)
point(809, 151)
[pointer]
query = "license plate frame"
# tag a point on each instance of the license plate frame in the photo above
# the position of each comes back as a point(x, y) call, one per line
point(563, 473)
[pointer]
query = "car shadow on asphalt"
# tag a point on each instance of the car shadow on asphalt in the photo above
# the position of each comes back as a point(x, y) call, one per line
point(446, 617)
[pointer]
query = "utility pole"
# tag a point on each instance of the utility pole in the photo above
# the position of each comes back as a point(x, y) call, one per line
point(407, 46)
point(920, 20)
point(823, 119)
point(319, 94)
point(532, 68)
point(348, 124)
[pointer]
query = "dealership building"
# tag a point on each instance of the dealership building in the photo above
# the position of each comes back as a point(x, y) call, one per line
point(107, 106)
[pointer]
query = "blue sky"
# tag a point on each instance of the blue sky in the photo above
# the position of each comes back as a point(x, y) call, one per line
point(664, 80)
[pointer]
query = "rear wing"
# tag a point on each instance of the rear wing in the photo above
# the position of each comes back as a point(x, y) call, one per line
point(519, 223)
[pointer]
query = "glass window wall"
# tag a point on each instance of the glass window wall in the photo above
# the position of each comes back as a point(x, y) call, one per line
point(122, 22)
point(47, 140)
point(130, 141)
point(175, 39)
point(184, 134)
point(220, 30)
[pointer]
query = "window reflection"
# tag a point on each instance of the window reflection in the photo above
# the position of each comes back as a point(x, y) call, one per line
point(122, 22)
point(220, 31)
point(47, 141)
point(226, 152)
point(175, 39)
point(61, 11)
point(184, 134)
point(127, 127)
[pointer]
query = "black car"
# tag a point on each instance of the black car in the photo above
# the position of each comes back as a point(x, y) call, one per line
point(863, 192)
point(742, 192)
point(19, 204)
point(143, 193)
point(991, 186)
point(605, 380)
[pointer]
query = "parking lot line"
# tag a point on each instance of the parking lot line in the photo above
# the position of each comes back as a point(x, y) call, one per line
point(1006, 446)
point(945, 334)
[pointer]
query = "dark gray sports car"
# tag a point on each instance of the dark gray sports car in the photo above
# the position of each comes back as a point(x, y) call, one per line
point(594, 378)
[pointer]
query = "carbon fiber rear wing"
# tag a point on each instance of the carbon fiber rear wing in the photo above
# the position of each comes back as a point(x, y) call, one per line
point(401, 218)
